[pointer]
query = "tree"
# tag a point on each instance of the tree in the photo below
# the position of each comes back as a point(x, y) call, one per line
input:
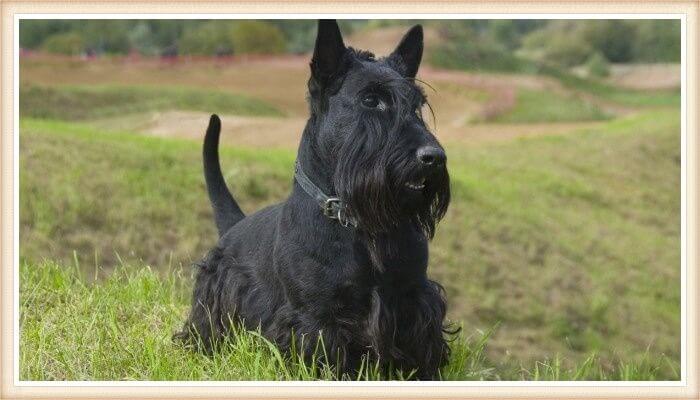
point(106, 36)
point(657, 41)
point(597, 66)
point(69, 43)
point(560, 43)
point(257, 37)
point(300, 34)
point(33, 32)
point(614, 38)
point(210, 38)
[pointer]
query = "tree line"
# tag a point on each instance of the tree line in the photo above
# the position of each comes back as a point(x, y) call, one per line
point(486, 44)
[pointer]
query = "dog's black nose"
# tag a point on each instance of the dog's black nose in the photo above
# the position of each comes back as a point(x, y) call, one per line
point(431, 156)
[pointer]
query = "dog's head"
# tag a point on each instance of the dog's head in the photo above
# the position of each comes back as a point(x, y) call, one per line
point(369, 130)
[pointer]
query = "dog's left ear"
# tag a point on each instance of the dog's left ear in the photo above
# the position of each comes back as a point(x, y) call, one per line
point(328, 51)
point(410, 51)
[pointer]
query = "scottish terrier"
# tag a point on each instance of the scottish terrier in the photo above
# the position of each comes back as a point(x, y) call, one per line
point(343, 260)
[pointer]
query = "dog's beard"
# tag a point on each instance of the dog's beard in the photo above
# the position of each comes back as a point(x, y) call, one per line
point(373, 182)
point(424, 207)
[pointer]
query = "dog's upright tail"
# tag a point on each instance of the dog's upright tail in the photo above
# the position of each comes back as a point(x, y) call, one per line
point(226, 211)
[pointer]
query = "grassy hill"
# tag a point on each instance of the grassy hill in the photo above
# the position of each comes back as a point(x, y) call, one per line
point(569, 245)
point(90, 102)
point(119, 329)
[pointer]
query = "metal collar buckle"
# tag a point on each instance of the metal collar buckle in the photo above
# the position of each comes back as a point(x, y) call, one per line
point(333, 208)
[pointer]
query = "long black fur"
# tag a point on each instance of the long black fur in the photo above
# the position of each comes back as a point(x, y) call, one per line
point(296, 274)
point(226, 210)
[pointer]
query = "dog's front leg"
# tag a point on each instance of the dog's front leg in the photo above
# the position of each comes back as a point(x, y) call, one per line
point(407, 329)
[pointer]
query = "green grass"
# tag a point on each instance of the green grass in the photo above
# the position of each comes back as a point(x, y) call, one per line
point(573, 240)
point(119, 329)
point(601, 90)
point(571, 244)
point(617, 95)
point(89, 102)
point(125, 193)
point(540, 106)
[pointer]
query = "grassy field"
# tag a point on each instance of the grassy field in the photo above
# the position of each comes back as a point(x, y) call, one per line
point(119, 329)
point(562, 240)
point(538, 106)
point(89, 102)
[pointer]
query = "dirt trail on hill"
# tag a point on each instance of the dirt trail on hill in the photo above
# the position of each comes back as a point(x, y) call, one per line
point(279, 81)
point(459, 99)
point(268, 132)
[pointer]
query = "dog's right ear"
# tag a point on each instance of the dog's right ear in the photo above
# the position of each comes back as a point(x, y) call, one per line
point(328, 51)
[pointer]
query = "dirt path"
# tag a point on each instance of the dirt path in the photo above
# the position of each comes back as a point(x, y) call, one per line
point(646, 76)
point(256, 132)
point(280, 81)
point(459, 100)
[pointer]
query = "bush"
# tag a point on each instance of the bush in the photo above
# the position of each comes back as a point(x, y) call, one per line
point(34, 32)
point(613, 38)
point(597, 66)
point(210, 38)
point(469, 46)
point(473, 56)
point(64, 43)
point(505, 33)
point(658, 41)
point(572, 42)
point(106, 36)
point(257, 37)
point(560, 43)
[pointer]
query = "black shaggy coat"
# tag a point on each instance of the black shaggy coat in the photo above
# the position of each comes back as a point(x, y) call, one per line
point(294, 273)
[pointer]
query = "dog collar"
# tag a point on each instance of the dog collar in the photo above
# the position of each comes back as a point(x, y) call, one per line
point(332, 207)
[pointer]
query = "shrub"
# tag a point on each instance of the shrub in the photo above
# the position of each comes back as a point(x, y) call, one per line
point(210, 38)
point(300, 34)
point(106, 36)
point(34, 32)
point(141, 39)
point(597, 66)
point(657, 41)
point(613, 38)
point(470, 47)
point(560, 43)
point(472, 56)
point(65, 43)
point(257, 37)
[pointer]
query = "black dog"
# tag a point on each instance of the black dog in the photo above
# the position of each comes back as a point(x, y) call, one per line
point(344, 258)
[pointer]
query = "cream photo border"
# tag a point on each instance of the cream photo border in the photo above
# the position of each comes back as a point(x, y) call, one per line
point(12, 11)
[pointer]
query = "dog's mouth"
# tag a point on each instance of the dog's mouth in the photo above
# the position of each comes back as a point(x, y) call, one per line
point(416, 185)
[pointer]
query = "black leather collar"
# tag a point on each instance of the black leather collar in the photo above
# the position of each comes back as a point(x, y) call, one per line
point(332, 207)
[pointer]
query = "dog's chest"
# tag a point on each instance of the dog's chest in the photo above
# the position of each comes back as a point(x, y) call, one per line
point(360, 281)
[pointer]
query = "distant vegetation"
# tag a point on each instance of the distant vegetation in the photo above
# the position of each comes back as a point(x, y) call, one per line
point(186, 37)
point(528, 45)
point(510, 45)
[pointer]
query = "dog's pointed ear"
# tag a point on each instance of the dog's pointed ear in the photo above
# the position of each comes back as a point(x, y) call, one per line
point(328, 51)
point(410, 51)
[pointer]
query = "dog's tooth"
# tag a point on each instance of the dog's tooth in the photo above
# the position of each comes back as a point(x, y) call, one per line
point(415, 186)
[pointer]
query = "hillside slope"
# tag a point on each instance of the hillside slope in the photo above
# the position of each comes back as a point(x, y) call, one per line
point(570, 244)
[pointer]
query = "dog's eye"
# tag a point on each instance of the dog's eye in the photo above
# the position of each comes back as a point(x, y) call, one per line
point(372, 100)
